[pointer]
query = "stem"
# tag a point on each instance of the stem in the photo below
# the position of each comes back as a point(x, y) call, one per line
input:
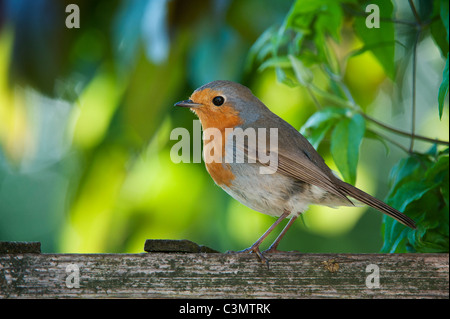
point(413, 113)
point(345, 104)
point(416, 15)
point(314, 98)
point(330, 97)
point(393, 142)
point(397, 131)
point(414, 71)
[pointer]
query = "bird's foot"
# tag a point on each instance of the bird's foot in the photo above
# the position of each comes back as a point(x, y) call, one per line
point(253, 249)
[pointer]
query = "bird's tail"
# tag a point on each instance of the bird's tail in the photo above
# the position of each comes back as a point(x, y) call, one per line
point(367, 199)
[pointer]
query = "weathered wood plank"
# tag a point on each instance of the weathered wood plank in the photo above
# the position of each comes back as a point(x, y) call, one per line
point(201, 275)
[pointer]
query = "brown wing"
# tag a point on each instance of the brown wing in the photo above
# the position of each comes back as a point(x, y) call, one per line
point(296, 157)
point(306, 171)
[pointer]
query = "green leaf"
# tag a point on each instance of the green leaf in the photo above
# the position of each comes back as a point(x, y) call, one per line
point(283, 78)
point(325, 14)
point(408, 193)
point(434, 237)
point(318, 125)
point(445, 189)
point(435, 173)
point(374, 136)
point(420, 190)
point(303, 74)
point(345, 142)
point(381, 41)
point(432, 217)
point(395, 236)
point(444, 15)
point(438, 30)
point(408, 169)
point(443, 89)
point(314, 21)
point(261, 48)
point(398, 238)
point(281, 62)
point(331, 23)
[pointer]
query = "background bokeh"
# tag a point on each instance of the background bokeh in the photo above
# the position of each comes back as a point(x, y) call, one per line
point(86, 115)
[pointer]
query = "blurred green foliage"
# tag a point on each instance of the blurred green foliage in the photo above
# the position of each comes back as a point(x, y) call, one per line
point(86, 115)
point(419, 182)
point(420, 190)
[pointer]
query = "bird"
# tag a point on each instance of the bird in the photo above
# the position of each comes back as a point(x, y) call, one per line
point(301, 176)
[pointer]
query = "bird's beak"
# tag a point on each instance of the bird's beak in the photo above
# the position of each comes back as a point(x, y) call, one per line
point(188, 103)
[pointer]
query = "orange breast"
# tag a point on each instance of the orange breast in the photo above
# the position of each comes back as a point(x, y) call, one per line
point(220, 173)
point(225, 117)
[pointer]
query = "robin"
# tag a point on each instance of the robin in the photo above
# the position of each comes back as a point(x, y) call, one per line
point(301, 176)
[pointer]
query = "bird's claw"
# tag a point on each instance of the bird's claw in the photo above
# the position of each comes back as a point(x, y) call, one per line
point(255, 250)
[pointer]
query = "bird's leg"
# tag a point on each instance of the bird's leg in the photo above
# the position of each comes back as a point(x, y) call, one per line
point(273, 248)
point(255, 247)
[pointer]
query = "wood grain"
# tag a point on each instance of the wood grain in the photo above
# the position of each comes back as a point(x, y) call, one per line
point(201, 275)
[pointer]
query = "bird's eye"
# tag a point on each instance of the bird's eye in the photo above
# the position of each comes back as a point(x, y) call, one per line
point(218, 100)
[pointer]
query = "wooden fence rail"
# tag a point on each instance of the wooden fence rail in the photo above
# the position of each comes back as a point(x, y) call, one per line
point(184, 274)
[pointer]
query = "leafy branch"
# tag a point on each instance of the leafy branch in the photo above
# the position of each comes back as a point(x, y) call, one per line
point(314, 90)
point(301, 45)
